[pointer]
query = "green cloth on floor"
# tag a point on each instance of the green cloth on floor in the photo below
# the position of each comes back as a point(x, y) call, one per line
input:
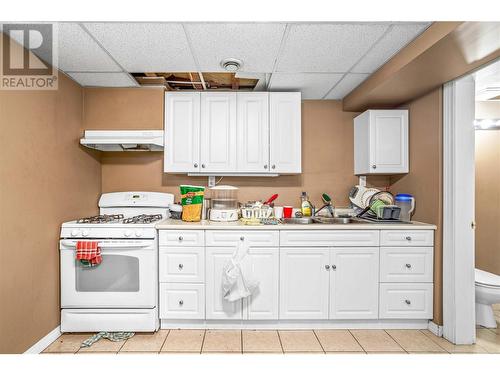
point(112, 336)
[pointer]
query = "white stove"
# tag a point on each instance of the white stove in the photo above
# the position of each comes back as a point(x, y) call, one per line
point(120, 294)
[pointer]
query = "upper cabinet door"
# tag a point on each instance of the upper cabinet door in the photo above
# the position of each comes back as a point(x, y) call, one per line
point(253, 132)
point(285, 135)
point(182, 132)
point(218, 132)
point(381, 142)
point(354, 283)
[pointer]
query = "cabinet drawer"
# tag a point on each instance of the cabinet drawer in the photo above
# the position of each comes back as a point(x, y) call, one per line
point(406, 301)
point(406, 264)
point(182, 264)
point(181, 238)
point(329, 238)
point(406, 238)
point(182, 301)
point(254, 238)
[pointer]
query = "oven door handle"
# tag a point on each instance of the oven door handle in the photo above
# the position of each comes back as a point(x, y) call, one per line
point(112, 245)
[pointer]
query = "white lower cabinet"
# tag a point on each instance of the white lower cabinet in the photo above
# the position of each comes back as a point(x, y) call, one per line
point(182, 301)
point(406, 300)
point(304, 283)
point(354, 283)
point(216, 306)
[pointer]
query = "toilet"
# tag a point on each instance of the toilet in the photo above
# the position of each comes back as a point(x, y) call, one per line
point(487, 294)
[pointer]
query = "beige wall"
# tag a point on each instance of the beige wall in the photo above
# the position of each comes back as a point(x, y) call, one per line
point(424, 181)
point(327, 150)
point(488, 191)
point(46, 179)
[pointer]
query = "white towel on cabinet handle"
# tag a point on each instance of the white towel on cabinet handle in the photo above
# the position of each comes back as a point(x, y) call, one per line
point(237, 279)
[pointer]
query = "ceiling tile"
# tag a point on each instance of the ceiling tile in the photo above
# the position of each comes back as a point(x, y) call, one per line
point(145, 47)
point(103, 79)
point(334, 47)
point(78, 52)
point(256, 44)
point(346, 85)
point(312, 85)
point(396, 38)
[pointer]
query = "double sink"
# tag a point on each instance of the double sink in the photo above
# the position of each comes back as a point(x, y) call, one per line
point(322, 220)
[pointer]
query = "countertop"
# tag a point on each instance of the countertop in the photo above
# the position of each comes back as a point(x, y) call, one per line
point(237, 225)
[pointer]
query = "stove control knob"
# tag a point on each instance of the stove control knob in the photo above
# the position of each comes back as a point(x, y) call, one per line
point(138, 233)
point(75, 232)
point(85, 233)
point(128, 233)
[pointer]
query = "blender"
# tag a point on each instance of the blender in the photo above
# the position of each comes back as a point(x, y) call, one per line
point(223, 203)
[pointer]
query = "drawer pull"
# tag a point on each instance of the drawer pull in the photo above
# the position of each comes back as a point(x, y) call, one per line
point(334, 267)
point(407, 301)
point(180, 238)
point(181, 266)
point(181, 302)
point(408, 238)
point(242, 238)
point(327, 267)
point(408, 265)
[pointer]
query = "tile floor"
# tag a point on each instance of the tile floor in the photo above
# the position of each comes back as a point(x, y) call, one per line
point(393, 341)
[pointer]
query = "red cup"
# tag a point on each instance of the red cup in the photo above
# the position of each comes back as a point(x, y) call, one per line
point(287, 211)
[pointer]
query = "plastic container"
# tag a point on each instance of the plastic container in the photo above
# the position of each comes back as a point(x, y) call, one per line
point(407, 204)
point(224, 197)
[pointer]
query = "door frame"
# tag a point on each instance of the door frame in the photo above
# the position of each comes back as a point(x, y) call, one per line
point(458, 211)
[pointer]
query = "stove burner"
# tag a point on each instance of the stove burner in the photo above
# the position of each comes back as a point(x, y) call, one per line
point(100, 219)
point(142, 219)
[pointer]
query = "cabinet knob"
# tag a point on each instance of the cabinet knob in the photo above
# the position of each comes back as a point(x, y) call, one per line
point(265, 166)
point(334, 267)
point(273, 166)
point(181, 302)
point(327, 266)
point(408, 265)
point(180, 238)
point(203, 165)
point(408, 238)
point(196, 165)
point(181, 266)
point(407, 301)
point(242, 238)
point(374, 166)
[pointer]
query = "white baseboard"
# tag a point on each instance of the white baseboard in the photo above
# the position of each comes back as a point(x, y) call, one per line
point(436, 329)
point(45, 341)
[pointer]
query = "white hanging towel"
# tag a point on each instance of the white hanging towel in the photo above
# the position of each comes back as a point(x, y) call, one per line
point(237, 280)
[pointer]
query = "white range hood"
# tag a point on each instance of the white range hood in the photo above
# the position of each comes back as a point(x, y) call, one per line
point(123, 140)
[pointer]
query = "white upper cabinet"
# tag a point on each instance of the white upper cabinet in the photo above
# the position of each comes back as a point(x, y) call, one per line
point(182, 132)
point(253, 132)
point(285, 124)
point(232, 133)
point(218, 132)
point(381, 142)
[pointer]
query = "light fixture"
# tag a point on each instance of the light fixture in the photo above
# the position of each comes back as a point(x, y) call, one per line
point(231, 65)
point(487, 124)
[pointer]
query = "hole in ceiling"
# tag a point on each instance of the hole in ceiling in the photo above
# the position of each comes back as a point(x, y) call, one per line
point(193, 81)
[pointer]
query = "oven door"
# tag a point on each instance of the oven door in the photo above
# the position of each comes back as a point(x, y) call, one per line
point(126, 277)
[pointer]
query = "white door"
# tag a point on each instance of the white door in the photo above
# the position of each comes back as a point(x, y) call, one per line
point(253, 132)
point(389, 141)
point(354, 283)
point(264, 265)
point(285, 132)
point(216, 306)
point(304, 283)
point(182, 132)
point(218, 132)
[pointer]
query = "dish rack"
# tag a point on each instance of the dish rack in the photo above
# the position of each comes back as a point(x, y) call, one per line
point(263, 212)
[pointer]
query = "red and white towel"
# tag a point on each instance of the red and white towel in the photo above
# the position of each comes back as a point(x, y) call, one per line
point(89, 252)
